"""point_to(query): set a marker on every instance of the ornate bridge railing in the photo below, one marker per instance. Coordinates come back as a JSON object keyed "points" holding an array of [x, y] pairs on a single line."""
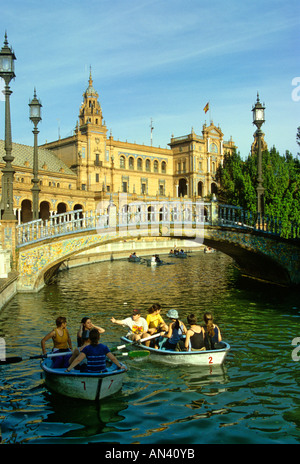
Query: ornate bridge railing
{"points": [[144, 215]]}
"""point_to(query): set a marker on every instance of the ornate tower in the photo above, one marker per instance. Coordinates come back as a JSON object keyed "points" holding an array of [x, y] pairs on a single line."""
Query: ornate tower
{"points": [[90, 111]]}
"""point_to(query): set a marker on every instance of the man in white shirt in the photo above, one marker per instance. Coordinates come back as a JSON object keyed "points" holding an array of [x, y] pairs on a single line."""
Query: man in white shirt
{"points": [[136, 324]]}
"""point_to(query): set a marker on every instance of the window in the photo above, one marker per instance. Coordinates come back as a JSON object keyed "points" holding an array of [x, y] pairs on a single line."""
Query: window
{"points": [[148, 165], [143, 188], [139, 164], [161, 189], [97, 177], [124, 187], [155, 166], [122, 162], [131, 163], [163, 167]]}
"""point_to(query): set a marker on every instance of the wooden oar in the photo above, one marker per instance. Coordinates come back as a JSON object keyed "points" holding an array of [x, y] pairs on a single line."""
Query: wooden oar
{"points": [[17, 359], [120, 347]]}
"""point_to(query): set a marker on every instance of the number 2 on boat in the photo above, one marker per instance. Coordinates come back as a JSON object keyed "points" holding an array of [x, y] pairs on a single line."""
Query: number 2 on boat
{"points": [[210, 360]]}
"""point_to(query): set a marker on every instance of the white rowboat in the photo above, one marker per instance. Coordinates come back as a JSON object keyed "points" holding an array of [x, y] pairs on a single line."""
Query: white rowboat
{"points": [[198, 358], [83, 385]]}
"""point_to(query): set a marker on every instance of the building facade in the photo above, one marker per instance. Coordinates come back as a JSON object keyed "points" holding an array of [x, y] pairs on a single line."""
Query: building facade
{"points": [[77, 172]]}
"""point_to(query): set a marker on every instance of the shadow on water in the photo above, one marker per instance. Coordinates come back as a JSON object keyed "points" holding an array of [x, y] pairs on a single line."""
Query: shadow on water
{"points": [[88, 418]]}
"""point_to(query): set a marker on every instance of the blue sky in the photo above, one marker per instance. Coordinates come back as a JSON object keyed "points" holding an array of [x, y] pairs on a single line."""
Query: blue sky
{"points": [[159, 59]]}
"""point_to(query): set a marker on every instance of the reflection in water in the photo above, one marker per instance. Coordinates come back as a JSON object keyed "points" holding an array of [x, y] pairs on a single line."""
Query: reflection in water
{"points": [[253, 398]]}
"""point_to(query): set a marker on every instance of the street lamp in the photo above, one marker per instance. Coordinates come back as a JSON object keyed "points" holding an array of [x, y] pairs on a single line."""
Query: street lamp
{"points": [[258, 119], [7, 58], [35, 116]]}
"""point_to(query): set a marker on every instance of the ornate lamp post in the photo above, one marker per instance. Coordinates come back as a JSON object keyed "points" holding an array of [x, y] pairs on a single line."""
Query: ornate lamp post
{"points": [[35, 116], [258, 119], [7, 58]]}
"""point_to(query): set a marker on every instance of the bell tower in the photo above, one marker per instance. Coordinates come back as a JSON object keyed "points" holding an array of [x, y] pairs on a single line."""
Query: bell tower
{"points": [[90, 112]]}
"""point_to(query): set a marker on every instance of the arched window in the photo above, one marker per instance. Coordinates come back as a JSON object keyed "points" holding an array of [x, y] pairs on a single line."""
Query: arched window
{"points": [[155, 166], [131, 162], [140, 164], [122, 162], [163, 167], [148, 165]]}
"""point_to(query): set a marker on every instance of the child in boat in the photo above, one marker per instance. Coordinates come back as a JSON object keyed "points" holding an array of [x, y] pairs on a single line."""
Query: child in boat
{"points": [[136, 324], [155, 323], [194, 339], [176, 331], [61, 341], [96, 354]]}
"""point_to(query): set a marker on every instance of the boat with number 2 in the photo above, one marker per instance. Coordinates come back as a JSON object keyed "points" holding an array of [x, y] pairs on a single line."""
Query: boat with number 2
{"points": [[198, 358], [83, 385]]}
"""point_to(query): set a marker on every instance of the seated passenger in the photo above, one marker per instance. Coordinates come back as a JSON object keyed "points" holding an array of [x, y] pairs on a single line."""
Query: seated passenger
{"points": [[86, 325], [195, 335], [175, 333], [212, 332], [61, 342], [137, 325], [155, 323], [96, 354]]}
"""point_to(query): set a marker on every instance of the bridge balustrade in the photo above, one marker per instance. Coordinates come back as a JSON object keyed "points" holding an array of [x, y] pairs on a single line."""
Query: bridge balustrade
{"points": [[141, 214]]}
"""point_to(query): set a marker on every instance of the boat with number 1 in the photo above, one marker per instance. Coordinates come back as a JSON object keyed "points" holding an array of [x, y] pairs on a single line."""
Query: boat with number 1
{"points": [[83, 385]]}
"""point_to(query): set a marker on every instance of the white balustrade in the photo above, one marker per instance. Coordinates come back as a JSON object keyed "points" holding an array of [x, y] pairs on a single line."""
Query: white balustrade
{"points": [[142, 214]]}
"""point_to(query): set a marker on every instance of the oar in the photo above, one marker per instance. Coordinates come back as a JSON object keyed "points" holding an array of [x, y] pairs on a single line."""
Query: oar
{"points": [[17, 359], [120, 347]]}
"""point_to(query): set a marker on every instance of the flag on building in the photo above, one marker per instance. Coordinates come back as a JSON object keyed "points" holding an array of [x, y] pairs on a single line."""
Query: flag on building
{"points": [[206, 108]]}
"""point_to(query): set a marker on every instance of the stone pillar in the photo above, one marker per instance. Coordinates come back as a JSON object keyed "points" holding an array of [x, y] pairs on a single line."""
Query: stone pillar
{"points": [[8, 242], [214, 211]]}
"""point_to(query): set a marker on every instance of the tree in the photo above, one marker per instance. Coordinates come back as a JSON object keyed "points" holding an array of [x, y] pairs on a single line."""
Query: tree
{"points": [[281, 181]]}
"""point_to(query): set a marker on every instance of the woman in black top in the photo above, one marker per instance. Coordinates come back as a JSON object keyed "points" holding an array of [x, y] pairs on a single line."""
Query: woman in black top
{"points": [[195, 335]]}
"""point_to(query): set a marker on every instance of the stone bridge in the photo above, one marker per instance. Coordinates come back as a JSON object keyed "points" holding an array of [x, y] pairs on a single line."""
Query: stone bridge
{"points": [[254, 243]]}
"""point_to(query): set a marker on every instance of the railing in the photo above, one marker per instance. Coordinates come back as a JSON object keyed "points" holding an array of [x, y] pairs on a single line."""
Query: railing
{"points": [[143, 215]]}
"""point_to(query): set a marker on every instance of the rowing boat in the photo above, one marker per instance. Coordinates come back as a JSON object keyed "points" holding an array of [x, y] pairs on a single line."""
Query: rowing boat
{"points": [[198, 358], [83, 385], [180, 254], [134, 259]]}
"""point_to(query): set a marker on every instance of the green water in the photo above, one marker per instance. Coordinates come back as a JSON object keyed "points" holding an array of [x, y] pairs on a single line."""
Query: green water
{"points": [[253, 398]]}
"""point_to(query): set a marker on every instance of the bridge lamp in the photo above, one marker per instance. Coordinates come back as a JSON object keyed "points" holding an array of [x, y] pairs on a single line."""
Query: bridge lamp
{"points": [[258, 119], [35, 116], [7, 72]]}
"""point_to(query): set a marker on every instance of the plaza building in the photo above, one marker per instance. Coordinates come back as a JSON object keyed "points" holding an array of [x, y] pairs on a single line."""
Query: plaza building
{"points": [[79, 171]]}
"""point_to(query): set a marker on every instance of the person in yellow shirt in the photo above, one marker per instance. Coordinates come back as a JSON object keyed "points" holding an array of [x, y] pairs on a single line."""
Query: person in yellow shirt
{"points": [[155, 322]]}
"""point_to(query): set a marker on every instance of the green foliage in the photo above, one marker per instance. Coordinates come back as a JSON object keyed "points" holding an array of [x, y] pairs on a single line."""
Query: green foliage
{"points": [[281, 180]]}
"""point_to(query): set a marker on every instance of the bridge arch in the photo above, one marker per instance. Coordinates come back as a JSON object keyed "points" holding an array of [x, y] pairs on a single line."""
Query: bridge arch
{"points": [[258, 252]]}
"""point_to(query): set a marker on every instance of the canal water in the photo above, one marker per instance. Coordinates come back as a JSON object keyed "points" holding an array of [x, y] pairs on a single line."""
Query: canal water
{"points": [[253, 398]]}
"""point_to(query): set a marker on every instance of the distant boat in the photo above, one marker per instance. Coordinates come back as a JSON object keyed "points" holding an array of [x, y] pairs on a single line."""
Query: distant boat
{"points": [[134, 259], [209, 250], [180, 254]]}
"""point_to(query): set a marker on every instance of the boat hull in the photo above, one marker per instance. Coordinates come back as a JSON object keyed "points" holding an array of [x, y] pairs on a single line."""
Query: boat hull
{"points": [[83, 385], [196, 358], [134, 259]]}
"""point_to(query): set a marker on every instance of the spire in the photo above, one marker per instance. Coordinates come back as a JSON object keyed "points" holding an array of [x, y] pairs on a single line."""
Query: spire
{"points": [[90, 90], [91, 80]]}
